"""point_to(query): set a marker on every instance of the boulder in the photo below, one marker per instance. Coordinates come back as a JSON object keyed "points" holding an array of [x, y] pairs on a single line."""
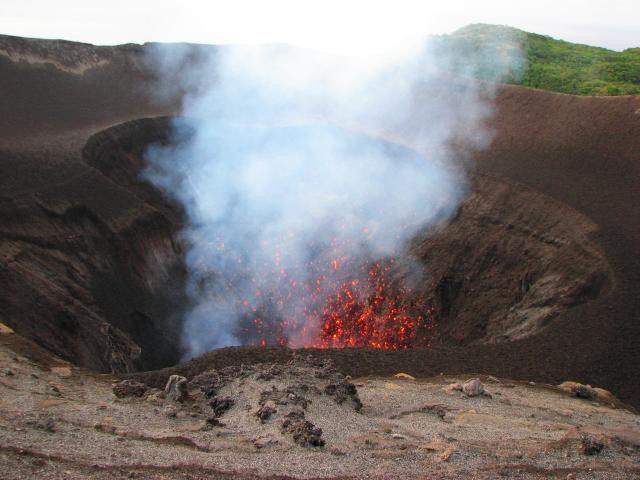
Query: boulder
{"points": [[587, 392], [176, 388], [474, 388], [591, 446], [304, 433], [266, 410], [129, 388], [220, 405]]}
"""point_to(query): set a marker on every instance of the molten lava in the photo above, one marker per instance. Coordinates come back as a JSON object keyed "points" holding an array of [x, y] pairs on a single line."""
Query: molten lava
{"points": [[336, 300]]}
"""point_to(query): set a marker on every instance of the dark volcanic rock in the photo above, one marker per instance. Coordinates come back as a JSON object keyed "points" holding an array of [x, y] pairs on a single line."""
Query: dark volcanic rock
{"points": [[591, 446], [304, 432], [47, 424], [342, 391], [585, 392], [289, 396], [209, 382], [474, 388], [129, 388], [266, 410], [220, 405], [214, 422]]}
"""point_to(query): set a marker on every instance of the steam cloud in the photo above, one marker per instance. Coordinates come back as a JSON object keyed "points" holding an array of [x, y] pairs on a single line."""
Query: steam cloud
{"points": [[276, 164]]}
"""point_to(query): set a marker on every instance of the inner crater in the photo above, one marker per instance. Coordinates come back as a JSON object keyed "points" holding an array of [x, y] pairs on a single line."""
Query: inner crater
{"points": [[504, 266]]}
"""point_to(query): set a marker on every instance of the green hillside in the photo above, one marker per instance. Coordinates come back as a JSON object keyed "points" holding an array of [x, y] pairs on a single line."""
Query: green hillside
{"points": [[543, 62]]}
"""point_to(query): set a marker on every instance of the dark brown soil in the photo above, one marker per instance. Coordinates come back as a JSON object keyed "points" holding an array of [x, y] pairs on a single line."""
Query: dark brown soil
{"points": [[76, 233]]}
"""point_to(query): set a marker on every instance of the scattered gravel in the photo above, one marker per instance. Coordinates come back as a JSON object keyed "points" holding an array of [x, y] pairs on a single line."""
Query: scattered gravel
{"points": [[304, 419]]}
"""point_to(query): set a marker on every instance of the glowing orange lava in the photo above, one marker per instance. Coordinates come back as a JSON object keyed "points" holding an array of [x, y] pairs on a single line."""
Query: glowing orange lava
{"points": [[336, 301]]}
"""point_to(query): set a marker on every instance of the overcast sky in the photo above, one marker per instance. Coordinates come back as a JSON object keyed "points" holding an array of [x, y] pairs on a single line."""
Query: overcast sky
{"points": [[348, 26]]}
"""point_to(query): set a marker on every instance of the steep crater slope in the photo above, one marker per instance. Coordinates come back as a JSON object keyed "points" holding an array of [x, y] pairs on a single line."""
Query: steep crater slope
{"points": [[91, 270], [510, 262]]}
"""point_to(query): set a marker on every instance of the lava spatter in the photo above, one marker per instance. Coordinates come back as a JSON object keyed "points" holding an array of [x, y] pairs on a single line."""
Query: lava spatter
{"points": [[335, 300]]}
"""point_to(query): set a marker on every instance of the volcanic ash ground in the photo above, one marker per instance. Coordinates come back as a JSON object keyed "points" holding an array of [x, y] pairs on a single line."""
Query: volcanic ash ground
{"points": [[305, 419]]}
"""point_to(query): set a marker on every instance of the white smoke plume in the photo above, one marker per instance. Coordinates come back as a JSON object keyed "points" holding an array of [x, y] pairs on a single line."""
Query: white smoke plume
{"points": [[289, 166]]}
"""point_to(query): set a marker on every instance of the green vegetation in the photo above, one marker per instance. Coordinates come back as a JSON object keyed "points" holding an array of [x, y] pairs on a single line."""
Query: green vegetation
{"points": [[513, 56]]}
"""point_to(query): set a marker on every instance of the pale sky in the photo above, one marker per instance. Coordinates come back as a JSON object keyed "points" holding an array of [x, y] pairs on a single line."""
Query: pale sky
{"points": [[347, 26]]}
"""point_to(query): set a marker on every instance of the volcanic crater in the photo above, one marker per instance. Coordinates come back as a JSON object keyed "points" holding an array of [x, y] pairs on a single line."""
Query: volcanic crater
{"points": [[532, 277], [508, 263], [503, 268], [533, 280]]}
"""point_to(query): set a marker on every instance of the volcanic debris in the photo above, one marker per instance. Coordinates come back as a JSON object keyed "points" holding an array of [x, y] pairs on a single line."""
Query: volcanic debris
{"points": [[283, 402], [266, 410], [342, 391], [176, 388], [304, 432], [591, 446], [46, 423], [220, 405], [129, 388], [585, 392], [471, 388]]}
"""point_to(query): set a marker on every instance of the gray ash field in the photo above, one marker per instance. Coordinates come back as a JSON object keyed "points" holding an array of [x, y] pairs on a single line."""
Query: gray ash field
{"points": [[304, 419]]}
